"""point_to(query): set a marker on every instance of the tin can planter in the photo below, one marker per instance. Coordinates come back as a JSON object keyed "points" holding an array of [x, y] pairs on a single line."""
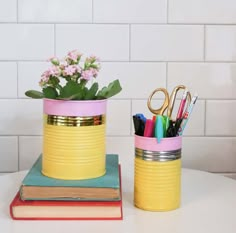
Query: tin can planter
{"points": [[157, 178], [74, 139]]}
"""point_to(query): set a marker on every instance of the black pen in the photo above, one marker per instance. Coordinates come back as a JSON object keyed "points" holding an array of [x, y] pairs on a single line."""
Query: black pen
{"points": [[139, 125], [177, 125], [170, 132]]}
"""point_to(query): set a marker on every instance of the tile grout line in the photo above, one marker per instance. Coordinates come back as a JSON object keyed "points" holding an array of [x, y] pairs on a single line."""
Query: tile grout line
{"points": [[92, 11], [131, 117], [129, 43], [131, 61], [204, 43], [18, 149], [54, 39], [120, 23], [17, 11], [205, 116], [167, 68], [167, 11], [17, 79]]}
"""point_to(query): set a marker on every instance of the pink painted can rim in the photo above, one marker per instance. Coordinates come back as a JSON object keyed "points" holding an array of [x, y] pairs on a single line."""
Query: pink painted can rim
{"points": [[74, 107], [166, 144]]}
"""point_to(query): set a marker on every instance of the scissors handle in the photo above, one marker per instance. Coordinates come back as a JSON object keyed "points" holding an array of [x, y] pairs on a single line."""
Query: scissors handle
{"points": [[172, 99], [189, 99], [162, 109]]}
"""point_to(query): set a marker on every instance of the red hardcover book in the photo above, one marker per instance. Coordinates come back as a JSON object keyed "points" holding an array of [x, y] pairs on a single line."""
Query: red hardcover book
{"points": [[66, 210]]}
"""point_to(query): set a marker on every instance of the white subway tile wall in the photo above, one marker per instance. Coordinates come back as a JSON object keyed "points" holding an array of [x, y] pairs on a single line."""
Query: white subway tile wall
{"points": [[110, 41], [146, 44], [26, 41], [8, 11], [8, 71], [46, 11], [132, 11], [167, 42], [202, 11]]}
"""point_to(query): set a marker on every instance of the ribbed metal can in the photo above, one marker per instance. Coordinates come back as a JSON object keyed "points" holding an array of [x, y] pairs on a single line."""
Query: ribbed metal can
{"points": [[157, 173], [74, 139]]}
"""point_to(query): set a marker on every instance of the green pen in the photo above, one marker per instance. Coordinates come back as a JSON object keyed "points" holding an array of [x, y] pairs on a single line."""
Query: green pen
{"points": [[166, 123], [159, 128]]}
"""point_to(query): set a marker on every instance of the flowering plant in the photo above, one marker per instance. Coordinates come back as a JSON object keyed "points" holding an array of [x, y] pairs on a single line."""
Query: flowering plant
{"points": [[79, 81]]}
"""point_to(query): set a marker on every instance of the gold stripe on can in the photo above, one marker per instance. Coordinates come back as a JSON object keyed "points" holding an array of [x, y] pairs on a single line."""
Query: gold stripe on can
{"points": [[74, 121]]}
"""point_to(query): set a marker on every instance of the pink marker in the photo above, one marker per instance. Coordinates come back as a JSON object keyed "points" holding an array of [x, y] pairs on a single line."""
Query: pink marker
{"points": [[149, 128], [182, 104]]}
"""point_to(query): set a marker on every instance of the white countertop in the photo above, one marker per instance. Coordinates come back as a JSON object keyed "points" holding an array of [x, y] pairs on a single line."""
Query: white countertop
{"points": [[208, 205]]}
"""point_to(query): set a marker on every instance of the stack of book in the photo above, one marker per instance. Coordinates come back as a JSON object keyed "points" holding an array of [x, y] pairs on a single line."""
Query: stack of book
{"points": [[41, 197]]}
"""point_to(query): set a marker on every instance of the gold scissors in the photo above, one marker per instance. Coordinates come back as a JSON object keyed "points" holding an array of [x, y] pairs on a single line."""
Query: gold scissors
{"points": [[169, 101]]}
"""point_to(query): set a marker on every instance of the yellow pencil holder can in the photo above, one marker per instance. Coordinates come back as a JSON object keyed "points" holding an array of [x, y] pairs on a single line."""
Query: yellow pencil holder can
{"points": [[74, 139], [157, 173]]}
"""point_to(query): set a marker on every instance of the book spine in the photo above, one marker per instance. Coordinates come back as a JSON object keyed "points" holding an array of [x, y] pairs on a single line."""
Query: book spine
{"points": [[30, 218]]}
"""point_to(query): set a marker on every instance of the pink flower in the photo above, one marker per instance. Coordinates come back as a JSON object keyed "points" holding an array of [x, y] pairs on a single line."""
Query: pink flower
{"points": [[45, 74], [94, 72], [53, 71], [94, 58], [44, 80], [78, 69], [54, 60], [70, 70], [74, 55], [87, 74], [63, 64]]}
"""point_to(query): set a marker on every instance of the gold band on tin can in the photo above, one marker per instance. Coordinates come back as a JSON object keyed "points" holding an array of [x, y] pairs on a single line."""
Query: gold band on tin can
{"points": [[74, 121]]}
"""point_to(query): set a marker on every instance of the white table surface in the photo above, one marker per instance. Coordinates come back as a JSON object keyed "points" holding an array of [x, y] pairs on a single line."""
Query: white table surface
{"points": [[208, 205]]}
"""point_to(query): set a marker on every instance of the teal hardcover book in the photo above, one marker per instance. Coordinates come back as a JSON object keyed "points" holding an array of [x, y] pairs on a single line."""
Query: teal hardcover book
{"points": [[36, 186]]}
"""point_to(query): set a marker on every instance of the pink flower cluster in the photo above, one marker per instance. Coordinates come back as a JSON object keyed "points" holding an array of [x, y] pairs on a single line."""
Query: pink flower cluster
{"points": [[69, 69], [74, 56]]}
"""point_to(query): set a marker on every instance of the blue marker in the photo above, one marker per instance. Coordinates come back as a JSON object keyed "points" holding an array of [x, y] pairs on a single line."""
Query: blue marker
{"points": [[159, 128], [141, 117]]}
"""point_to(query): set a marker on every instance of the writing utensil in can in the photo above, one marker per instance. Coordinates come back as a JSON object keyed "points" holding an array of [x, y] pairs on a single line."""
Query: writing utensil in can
{"points": [[187, 114], [159, 128], [182, 104], [149, 128], [178, 125]]}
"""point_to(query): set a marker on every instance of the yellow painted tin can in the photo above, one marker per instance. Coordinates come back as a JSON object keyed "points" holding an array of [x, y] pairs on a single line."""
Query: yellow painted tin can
{"points": [[74, 139], [157, 178]]}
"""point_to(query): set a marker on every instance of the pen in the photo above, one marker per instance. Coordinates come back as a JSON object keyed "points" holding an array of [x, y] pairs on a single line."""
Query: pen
{"points": [[159, 128], [187, 114], [141, 117], [182, 104], [166, 125], [177, 126], [170, 132], [149, 128], [138, 125]]}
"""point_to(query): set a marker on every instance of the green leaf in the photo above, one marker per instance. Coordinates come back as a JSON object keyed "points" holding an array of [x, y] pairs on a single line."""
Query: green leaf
{"points": [[54, 81], [50, 93], [34, 94], [71, 91], [91, 93], [112, 89], [77, 96]]}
